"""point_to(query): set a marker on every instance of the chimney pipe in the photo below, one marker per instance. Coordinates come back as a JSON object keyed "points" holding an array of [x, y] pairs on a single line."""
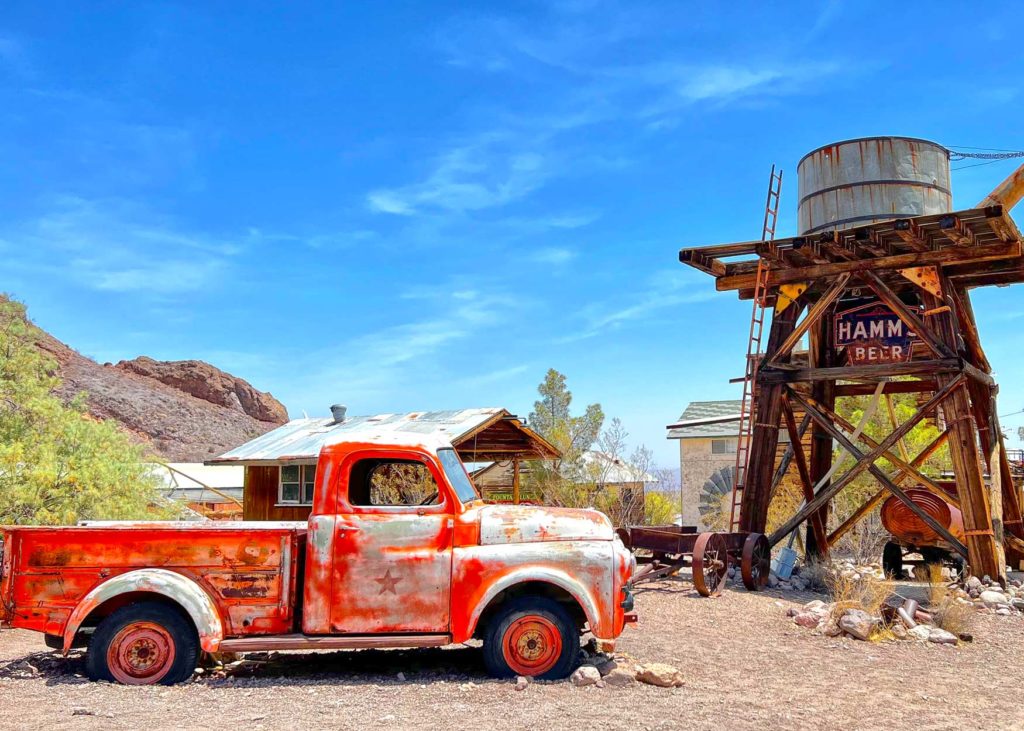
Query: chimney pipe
{"points": [[338, 412]]}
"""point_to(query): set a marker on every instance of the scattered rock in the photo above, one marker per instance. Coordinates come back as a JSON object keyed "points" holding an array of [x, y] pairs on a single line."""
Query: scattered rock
{"points": [[814, 604], [974, 584], [79, 711], [606, 667], [660, 674], [920, 632], [1003, 612], [899, 631], [401, 677], [620, 678], [858, 623], [773, 581], [941, 636], [521, 682], [830, 628], [809, 620], [585, 675], [992, 597]]}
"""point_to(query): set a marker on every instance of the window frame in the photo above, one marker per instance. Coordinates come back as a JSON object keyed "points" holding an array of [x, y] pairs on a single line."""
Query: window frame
{"points": [[303, 471], [443, 505], [728, 442]]}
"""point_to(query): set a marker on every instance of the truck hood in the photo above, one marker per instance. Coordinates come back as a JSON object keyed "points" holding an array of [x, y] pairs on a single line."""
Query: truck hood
{"points": [[530, 524]]}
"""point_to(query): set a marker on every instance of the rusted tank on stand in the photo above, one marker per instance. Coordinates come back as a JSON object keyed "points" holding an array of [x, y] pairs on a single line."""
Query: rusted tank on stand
{"points": [[910, 534], [872, 179]]}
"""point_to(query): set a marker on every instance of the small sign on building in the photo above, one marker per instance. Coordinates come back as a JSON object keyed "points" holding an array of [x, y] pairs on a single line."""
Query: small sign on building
{"points": [[873, 333]]}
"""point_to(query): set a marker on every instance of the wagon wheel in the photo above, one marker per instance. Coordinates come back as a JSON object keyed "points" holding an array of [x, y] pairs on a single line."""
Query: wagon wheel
{"points": [[756, 561], [710, 562]]}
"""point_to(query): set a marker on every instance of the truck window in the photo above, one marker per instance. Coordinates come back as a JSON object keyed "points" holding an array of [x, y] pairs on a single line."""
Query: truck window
{"points": [[388, 482], [457, 476]]}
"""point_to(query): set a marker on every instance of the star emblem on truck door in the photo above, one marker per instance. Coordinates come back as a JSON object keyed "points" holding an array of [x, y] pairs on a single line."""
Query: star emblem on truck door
{"points": [[387, 583]]}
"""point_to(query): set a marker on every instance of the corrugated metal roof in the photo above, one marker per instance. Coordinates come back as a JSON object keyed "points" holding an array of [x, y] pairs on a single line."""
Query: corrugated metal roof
{"points": [[302, 439], [708, 419]]}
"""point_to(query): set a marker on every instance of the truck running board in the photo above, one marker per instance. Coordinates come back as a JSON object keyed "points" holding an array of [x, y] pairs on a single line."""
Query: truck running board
{"points": [[328, 642]]}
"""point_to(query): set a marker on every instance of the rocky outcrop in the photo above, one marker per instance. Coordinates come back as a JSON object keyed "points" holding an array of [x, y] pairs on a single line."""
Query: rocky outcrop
{"points": [[208, 383], [175, 422]]}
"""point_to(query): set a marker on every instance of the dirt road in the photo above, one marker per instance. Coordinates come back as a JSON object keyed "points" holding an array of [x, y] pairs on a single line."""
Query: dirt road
{"points": [[746, 664]]}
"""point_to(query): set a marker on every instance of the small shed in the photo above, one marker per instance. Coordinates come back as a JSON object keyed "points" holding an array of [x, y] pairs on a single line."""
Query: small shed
{"points": [[211, 491], [280, 465]]}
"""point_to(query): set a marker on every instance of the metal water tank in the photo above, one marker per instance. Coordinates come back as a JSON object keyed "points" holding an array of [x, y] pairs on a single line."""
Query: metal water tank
{"points": [[862, 181]]}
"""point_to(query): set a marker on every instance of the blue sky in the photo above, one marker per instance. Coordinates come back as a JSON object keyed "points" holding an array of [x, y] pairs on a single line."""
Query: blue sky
{"points": [[406, 206]]}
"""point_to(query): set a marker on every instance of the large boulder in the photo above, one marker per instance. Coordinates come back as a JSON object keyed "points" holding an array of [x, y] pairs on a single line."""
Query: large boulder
{"points": [[858, 623], [209, 383]]}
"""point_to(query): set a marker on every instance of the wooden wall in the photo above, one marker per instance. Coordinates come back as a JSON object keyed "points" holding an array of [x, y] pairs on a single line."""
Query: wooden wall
{"points": [[260, 501]]}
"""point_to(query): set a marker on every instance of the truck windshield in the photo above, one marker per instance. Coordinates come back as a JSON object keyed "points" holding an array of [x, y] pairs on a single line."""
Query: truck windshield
{"points": [[456, 474]]}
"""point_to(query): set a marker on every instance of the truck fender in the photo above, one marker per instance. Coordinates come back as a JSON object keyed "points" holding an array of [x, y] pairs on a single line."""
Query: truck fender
{"points": [[547, 575], [180, 589]]}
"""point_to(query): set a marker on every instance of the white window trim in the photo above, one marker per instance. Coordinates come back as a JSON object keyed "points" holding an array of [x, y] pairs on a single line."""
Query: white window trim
{"points": [[280, 486]]}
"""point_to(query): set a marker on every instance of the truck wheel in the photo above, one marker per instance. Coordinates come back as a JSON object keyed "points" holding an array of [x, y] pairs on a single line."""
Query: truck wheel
{"points": [[143, 644], [892, 560], [531, 636]]}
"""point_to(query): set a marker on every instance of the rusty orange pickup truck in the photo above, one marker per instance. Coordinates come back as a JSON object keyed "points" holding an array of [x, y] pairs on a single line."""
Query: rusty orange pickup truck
{"points": [[399, 551]]}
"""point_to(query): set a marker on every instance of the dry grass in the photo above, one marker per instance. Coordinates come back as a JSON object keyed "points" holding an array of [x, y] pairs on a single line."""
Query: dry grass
{"points": [[948, 613], [866, 592]]}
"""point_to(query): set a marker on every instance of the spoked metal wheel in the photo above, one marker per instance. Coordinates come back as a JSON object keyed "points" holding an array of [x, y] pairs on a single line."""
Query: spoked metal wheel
{"points": [[710, 562], [756, 561]]}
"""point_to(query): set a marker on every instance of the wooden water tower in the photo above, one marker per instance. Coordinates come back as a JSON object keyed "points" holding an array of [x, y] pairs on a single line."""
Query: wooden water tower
{"points": [[879, 284]]}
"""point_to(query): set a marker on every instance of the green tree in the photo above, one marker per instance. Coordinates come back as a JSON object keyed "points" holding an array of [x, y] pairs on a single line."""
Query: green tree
{"points": [[58, 465], [563, 481]]}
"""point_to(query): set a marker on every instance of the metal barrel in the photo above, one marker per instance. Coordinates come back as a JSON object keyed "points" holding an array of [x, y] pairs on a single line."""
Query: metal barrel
{"points": [[857, 182], [907, 527]]}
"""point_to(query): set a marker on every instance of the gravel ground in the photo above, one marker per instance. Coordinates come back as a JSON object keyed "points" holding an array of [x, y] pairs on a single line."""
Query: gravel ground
{"points": [[746, 664]]}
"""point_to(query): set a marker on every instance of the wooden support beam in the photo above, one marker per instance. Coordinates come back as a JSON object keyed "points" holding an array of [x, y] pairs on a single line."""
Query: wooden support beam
{"points": [[834, 292], [982, 514], [901, 463], [942, 257], [864, 509], [765, 434], [787, 455], [892, 387], [515, 480], [770, 375], [868, 240], [817, 523], [960, 299], [911, 234], [909, 317], [955, 230], [865, 461]]}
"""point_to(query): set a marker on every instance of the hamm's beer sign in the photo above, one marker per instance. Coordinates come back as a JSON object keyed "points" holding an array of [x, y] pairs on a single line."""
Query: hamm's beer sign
{"points": [[873, 333]]}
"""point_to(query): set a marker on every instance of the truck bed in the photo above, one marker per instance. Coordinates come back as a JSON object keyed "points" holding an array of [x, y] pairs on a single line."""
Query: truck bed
{"points": [[249, 569]]}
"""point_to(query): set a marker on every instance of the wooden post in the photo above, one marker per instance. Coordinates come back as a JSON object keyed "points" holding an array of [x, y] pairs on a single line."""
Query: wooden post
{"points": [[821, 354], [765, 436], [515, 480], [984, 548]]}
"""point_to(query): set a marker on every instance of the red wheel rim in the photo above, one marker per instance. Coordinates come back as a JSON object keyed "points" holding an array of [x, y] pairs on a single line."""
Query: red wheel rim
{"points": [[140, 654], [532, 645]]}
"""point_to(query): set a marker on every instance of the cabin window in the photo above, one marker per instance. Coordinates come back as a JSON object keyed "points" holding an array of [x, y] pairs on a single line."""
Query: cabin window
{"points": [[296, 484], [723, 446], [385, 482]]}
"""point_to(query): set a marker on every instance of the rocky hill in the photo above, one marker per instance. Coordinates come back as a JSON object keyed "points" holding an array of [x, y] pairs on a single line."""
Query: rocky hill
{"points": [[185, 411]]}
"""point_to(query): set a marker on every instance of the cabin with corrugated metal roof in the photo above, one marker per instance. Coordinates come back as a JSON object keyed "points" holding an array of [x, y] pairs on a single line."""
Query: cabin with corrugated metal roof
{"points": [[280, 465]]}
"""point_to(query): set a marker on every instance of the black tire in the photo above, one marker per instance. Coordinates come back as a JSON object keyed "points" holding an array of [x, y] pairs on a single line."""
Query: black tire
{"points": [[544, 610], [892, 560], [176, 627]]}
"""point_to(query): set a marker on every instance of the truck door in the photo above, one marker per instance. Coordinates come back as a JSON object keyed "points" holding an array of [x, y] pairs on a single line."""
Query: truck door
{"points": [[392, 546]]}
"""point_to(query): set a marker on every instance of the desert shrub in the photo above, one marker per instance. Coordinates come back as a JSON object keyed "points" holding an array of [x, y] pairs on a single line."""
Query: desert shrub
{"points": [[947, 612], [659, 509], [864, 592]]}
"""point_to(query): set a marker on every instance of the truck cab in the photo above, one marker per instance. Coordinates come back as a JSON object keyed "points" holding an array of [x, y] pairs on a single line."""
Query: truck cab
{"points": [[399, 551]]}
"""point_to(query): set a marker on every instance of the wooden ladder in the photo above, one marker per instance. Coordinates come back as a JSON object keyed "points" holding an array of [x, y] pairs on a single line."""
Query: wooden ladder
{"points": [[753, 361]]}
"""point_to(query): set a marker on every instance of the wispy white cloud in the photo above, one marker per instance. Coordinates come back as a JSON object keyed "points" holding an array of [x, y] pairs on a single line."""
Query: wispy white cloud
{"points": [[483, 174], [661, 291], [553, 255], [497, 376], [114, 245]]}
